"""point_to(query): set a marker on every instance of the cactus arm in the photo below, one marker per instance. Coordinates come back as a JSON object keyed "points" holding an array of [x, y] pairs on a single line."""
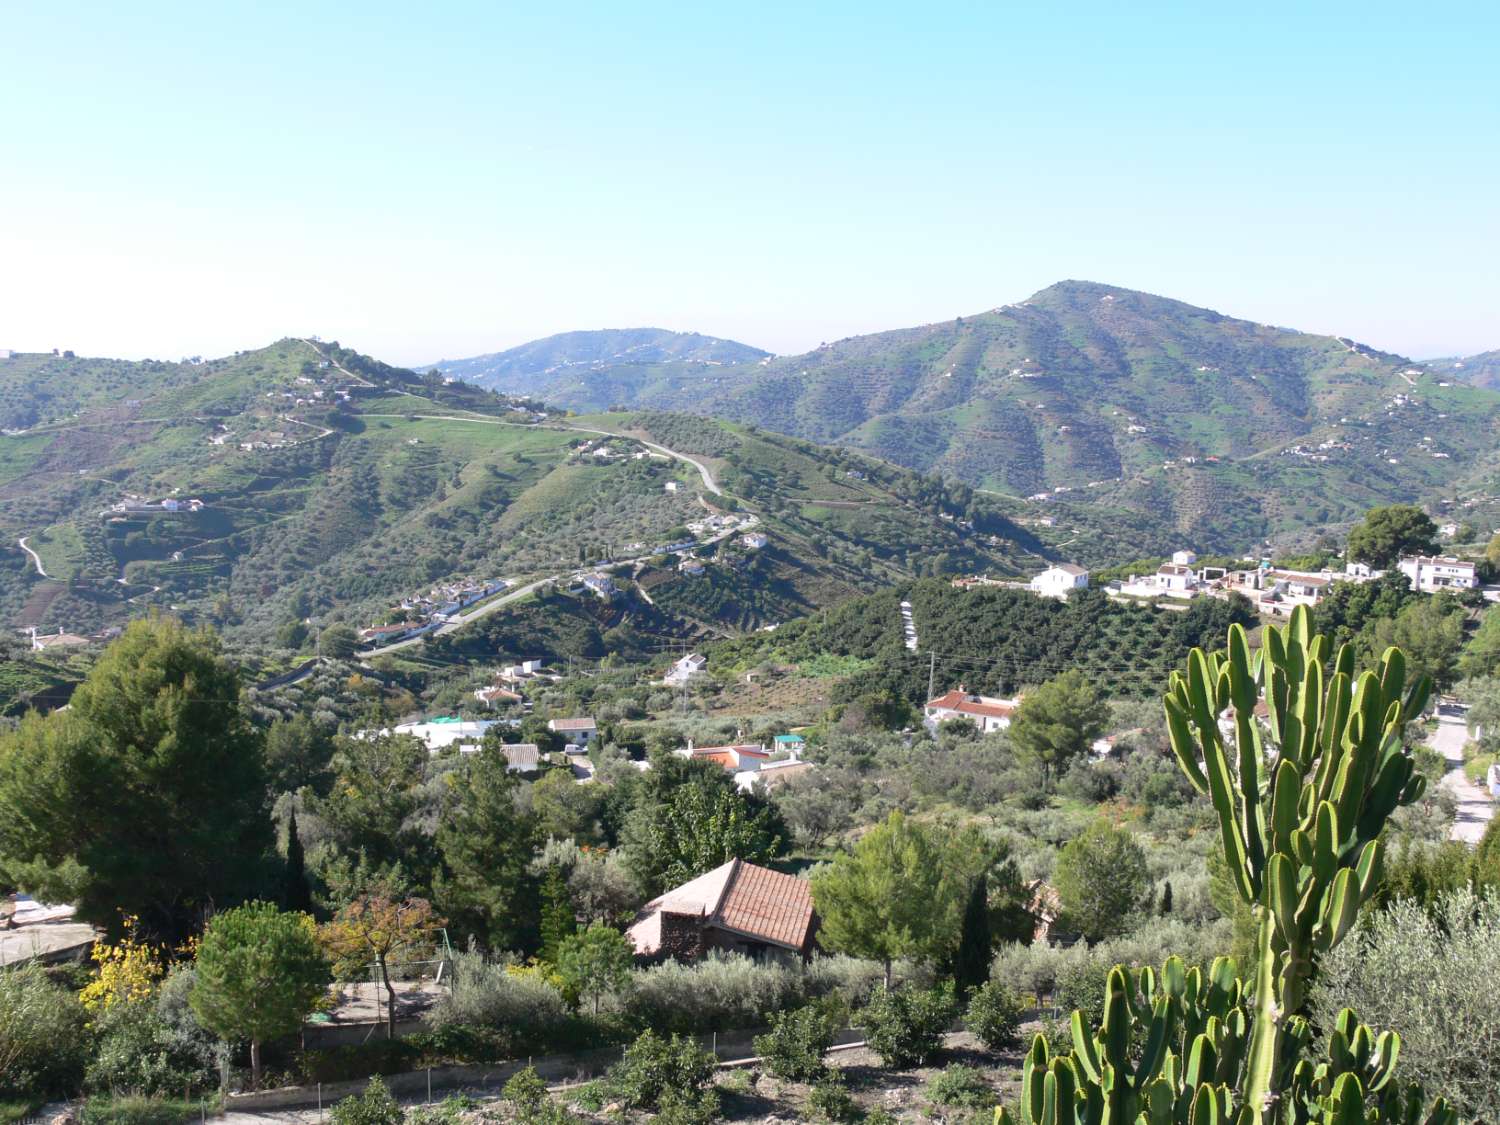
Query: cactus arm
{"points": [[1266, 1029]]}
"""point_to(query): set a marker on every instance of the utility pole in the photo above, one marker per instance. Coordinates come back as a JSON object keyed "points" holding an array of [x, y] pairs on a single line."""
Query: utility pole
{"points": [[931, 673]]}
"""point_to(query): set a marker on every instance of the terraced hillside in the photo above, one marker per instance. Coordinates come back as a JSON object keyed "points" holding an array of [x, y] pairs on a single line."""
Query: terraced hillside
{"points": [[1193, 425], [303, 483]]}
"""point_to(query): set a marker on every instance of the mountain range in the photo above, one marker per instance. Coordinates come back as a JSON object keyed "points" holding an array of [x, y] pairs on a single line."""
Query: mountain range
{"points": [[1176, 420]]}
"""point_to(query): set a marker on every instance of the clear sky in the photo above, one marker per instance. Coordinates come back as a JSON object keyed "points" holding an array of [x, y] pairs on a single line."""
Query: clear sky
{"points": [[425, 180]]}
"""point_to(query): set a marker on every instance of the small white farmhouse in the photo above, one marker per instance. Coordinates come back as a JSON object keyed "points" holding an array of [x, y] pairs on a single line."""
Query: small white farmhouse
{"points": [[1059, 581]]}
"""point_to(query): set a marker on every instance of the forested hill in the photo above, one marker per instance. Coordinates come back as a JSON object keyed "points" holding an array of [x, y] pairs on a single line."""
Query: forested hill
{"points": [[579, 366]]}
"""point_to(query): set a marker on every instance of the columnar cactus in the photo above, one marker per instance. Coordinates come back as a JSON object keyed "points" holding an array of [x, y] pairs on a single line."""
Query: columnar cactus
{"points": [[1300, 817]]}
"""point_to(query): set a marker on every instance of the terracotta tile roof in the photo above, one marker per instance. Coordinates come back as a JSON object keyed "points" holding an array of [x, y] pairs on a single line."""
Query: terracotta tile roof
{"points": [[572, 724], [752, 901], [768, 905], [966, 704]]}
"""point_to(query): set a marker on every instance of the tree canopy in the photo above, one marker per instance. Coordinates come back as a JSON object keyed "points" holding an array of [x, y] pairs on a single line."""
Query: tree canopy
{"points": [[1385, 534], [259, 973], [1057, 723], [147, 797]]}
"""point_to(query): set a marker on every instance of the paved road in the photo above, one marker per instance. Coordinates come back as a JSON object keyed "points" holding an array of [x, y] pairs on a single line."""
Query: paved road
{"points": [[36, 558], [459, 622], [1474, 805]]}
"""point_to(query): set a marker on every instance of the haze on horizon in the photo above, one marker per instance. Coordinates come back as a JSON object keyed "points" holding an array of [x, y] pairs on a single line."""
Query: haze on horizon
{"points": [[458, 178]]}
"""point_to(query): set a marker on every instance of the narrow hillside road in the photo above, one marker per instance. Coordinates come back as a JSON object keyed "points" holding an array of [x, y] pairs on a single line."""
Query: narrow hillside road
{"points": [[1474, 805], [464, 619], [36, 558]]}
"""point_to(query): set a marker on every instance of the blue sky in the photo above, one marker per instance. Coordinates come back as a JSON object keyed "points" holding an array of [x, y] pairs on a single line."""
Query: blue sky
{"points": [[440, 179]]}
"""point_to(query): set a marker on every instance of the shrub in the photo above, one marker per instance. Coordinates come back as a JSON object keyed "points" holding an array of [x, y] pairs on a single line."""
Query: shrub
{"points": [[830, 1100], [525, 1090], [1428, 974], [905, 1026], [794, 1047], [652, 1066], [524, 1007], [44, 1038], [994, 1016], [961, 1086], [723, 992], [374, 1107], [141, 1053], [135, 1109]]}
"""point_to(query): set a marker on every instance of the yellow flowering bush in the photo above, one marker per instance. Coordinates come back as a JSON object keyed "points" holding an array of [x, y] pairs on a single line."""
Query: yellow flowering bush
{"points": [[128, 971]]}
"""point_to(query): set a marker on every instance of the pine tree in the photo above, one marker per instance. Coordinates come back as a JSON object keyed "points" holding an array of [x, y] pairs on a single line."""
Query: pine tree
{"points": [[971, 968], [295, 892]]}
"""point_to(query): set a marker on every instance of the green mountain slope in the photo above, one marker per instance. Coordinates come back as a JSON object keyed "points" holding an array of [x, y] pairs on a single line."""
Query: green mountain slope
{"points": [[1195, 426], [304, 481], [588, 368], [1482, 370]]}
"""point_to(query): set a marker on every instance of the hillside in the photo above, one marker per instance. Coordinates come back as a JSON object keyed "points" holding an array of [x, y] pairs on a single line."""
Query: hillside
{"points": [[1195, 426], [586, 368], [1482, 370], [303, 485]]}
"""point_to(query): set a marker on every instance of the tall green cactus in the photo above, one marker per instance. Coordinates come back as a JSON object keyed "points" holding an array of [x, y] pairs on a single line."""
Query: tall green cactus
{"points": [[1300, 817]]}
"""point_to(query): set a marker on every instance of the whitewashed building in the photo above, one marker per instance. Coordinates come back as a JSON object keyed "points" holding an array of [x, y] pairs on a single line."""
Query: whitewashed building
{"points": [[1059, 581], [1432, 573]]}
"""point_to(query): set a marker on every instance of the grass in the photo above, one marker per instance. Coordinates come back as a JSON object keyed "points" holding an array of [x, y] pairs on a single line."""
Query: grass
{"points": [[133, 1109], [18, 1110]]}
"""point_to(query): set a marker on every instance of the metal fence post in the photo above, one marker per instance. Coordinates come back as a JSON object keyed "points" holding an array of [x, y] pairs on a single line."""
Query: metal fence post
{"points": [[429, 1085], [320, 1103]]}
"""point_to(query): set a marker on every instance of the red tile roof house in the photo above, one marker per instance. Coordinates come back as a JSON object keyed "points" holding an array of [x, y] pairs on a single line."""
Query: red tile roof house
{"points": [[736, 908], [741, 756], [986, 713]]}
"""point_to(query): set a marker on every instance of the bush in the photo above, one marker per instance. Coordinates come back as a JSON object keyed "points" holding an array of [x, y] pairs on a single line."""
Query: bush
{"points": [[156, 1046], [724, 992], [374, 1107], [524, 1008], [526, 1091], [134, 1109], [1429, 975], [652, 1066], [830, 1100], [798, 1040], [994, 1016], [905, 1026], [44, 1039], [961, 1086]]}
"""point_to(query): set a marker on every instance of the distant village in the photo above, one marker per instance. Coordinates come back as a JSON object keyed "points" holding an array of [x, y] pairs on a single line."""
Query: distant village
{"points": [[1273, 591]]}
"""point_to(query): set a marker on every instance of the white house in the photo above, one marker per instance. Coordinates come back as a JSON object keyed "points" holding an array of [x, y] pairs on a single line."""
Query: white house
{"points": [[1362, 572], [755, 541], [577, 731], [1183, 558], [439, 734], [984, 711], [1175, 577], [685, 669], [1430, 574], [1061, 580]]}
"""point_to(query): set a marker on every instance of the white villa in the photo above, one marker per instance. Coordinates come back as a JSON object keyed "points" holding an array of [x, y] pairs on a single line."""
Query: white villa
{"points": [[685, 669], [1059, 581], [1430, 574]]}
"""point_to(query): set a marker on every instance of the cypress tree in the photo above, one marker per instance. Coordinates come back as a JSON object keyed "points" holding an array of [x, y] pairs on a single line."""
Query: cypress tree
{"points": [[1166, 899], [558, 920], [295, 893], [971, 967]]}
